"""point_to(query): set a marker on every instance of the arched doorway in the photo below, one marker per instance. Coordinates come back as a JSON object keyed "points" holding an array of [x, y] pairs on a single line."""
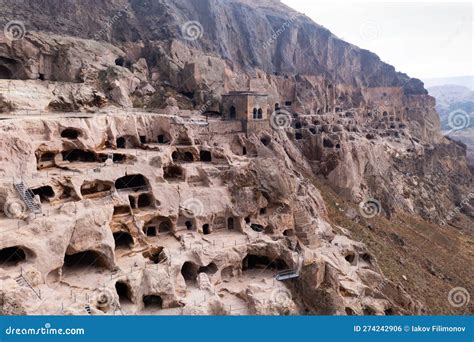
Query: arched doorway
{"points": [[233, 113]]}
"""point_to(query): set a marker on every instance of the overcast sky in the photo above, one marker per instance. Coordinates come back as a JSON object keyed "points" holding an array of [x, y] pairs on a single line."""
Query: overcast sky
{"points": [[422, 39]]}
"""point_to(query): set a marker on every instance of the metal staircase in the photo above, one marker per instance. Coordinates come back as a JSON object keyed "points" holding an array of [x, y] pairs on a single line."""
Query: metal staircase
{"points": [[88, 309], [291, 274], [28, 198], [23, 281]]}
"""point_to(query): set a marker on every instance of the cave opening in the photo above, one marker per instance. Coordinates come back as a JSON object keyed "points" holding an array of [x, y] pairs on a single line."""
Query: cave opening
{"points": [[206, 229], [123, 239], [230, 223], [47, 157], [350, 258], [185, 157], [232, 113], [152, 302], [84, 260], [173, 172], [120, 61], [124, 292], [121, 142], [150, 231], [163, 139], [265, 140], [205, 156], [164, 227], [327, 143], [122, 210], [189, 272], [5, 73], [119, 158], [298, 136], [11, 256], [137, 181], [46, 193], [77, 155], [252, 261], [144, 201], [367, 258], [257, 227], [70, 133], [156, 255], [209, 269], [95, 187]]}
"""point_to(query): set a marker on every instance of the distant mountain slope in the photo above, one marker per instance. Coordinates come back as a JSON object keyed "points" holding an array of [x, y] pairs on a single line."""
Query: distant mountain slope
{"points": [[452, 98], [456, 100], [465, 81]]}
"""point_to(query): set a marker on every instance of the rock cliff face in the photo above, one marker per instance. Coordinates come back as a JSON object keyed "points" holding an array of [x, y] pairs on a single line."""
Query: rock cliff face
{"points": [[124, 189]]}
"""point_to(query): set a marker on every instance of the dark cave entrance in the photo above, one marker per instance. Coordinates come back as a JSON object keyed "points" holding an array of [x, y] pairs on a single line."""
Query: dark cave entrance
{"points": [[84, 260], [131, 182], [46, 193], [252, 261], [144, 201], [123, 240], [205, 156], [173, 172], [5, 73], [164, 227], [152, 302], [163, 139], [77, 155], [232, 113], [70, 133], [189, 272], [121, 142], [150, 231], [230, 223], [95, 187], [11, 256], [185, 157], [124, 292]]}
